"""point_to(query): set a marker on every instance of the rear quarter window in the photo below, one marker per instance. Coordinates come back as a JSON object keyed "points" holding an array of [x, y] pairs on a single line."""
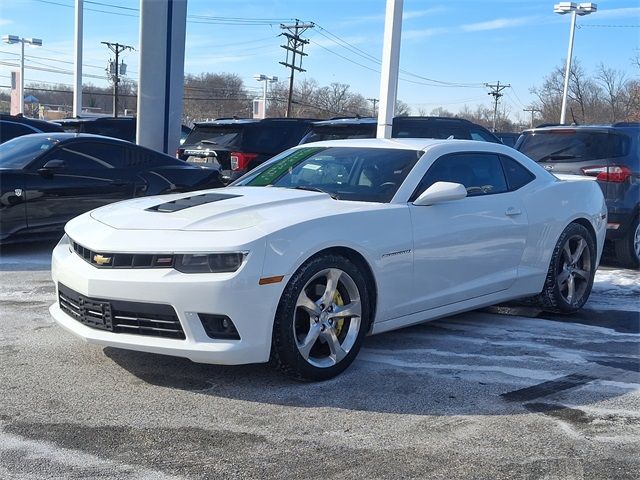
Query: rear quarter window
{"points": [[517, 175]]}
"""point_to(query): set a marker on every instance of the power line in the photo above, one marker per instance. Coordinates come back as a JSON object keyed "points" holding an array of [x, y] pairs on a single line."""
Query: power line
{"points": [[367, 56]]}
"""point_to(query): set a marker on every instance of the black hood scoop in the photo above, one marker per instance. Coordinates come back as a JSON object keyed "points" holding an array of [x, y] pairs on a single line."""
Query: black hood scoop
{"points": [[188, 202]]}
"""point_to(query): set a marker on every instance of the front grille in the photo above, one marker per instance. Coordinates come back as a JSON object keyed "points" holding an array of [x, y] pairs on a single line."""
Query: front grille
{"points": [[119, 316], [123, 260]]}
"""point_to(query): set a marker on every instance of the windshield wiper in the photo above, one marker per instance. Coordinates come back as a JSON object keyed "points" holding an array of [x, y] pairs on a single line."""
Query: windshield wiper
{"points": [[315, 189], [557, 155], [561, 156]]}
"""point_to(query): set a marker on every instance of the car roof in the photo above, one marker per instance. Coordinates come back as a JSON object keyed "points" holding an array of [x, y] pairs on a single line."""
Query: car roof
{"points": [[94, 119], [347, 121], [598, 127], [403, 143], [247, 121], [43, 125], [63, 136]]}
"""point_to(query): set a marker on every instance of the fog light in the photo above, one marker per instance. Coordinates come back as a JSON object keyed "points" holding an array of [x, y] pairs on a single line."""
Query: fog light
{"points": [[219, 326]]}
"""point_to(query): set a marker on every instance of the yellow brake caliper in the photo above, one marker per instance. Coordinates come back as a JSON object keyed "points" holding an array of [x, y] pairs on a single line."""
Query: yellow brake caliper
{"points": [[337, 299]]}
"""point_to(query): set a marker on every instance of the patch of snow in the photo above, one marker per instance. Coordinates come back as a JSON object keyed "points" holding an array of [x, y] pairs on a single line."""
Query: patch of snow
{"points": [[617, 289]]}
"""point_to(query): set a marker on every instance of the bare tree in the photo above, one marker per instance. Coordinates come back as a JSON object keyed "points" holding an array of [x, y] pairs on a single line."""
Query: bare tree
{"points": [[215, 95], [440, 112]]}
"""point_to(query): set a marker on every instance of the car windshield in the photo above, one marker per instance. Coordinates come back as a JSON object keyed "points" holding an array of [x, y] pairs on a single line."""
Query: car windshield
{"points": [[345, 173], [19, 152], [214, 134], [573, 145]]}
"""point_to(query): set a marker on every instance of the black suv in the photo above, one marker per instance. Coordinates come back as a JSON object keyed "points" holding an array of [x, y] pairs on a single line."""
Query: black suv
{"points": [[610, 153], [239, 145], [12, 126], [403, 127], [123, 128]]}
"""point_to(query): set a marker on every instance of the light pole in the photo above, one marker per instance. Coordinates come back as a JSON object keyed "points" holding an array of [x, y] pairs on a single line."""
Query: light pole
{"points": [[574, 9], [36, 42], [266, 79]]}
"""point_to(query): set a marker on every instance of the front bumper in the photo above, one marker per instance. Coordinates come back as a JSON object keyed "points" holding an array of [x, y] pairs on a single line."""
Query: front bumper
{"points": [[237, 295]]}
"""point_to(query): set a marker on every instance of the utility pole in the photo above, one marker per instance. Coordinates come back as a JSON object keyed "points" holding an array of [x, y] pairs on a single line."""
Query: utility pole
{"points": [[117, 49], [495, 92], [533, 110], [390, 67], [295, 45], [77, 60], [374, 101]]}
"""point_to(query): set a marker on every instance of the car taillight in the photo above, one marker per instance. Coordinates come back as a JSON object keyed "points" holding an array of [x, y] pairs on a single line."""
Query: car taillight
{"points": [[614, 173], [179, 152], [240, 161]]}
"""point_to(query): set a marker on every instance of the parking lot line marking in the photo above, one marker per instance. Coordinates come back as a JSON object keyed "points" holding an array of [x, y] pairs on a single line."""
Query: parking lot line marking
{"points": [[547, 388]]}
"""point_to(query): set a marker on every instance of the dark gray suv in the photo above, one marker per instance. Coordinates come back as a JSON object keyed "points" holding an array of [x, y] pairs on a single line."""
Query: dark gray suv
{"points": [[611, 153]]}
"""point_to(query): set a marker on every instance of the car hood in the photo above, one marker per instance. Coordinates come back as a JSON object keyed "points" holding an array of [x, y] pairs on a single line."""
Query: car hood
{"points": [[224, 209]]}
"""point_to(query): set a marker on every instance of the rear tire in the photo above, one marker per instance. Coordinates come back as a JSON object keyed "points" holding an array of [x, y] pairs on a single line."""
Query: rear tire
{"points": [[627, 249], [571, 271], [321, 320]]}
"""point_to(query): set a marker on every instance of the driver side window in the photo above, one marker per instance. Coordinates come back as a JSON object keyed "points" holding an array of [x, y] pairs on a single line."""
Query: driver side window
{"points": [[480, 173]]}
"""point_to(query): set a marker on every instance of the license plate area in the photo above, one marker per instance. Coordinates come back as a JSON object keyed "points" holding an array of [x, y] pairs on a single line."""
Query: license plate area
{"points": [[96, 314]]}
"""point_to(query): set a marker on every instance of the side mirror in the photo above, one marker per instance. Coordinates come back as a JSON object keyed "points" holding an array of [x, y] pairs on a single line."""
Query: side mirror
{"points": [[49, 168], [441, 192]]}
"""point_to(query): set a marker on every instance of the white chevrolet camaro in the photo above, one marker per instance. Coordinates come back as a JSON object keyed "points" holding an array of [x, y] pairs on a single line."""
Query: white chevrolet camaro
{"points": [[297, 261]]}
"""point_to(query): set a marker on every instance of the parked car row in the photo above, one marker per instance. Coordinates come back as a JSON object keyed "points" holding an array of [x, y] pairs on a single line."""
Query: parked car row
{"points": [[607, 153], [237, 146], [12, 126]]}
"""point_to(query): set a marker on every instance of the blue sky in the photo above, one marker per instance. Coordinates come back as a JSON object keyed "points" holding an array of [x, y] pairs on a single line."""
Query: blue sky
{"points": [[464, 43]]}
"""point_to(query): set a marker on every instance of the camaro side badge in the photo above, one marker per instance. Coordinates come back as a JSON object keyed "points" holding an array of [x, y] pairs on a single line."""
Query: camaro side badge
{"points": [[548, 167], [101, 260], [393, 254], [18, 192]]}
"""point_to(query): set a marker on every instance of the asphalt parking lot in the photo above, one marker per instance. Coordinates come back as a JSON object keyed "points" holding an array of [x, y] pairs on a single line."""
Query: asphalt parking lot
{"points": [[505, 392]]}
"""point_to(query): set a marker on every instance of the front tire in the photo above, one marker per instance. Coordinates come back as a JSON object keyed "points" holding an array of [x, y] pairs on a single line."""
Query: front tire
{"points": [[571, 272], [321, 320]]}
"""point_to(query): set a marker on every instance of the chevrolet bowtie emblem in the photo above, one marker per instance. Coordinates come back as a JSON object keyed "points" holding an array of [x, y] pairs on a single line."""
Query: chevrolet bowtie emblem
{"points": [[101, 260]]}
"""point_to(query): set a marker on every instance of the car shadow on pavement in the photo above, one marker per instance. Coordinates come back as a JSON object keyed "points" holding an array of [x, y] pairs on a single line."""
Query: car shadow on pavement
{"points": [[31, 256], [480, 363]]}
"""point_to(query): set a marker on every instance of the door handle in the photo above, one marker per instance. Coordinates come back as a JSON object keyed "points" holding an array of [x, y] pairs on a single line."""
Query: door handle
{"points": [[511, 211]]}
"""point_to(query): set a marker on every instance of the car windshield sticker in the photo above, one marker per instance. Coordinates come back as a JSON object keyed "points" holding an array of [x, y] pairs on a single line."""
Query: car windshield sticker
{"points": [[275, 171]]}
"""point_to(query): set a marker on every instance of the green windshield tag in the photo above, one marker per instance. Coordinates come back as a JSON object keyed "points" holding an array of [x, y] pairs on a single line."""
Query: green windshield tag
{"points": [[275, 171]]}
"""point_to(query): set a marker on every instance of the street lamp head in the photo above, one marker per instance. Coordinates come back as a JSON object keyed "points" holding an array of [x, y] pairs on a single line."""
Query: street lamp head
{"points": [[587, 8], [10, 39], [36, 42], [565, 7]]}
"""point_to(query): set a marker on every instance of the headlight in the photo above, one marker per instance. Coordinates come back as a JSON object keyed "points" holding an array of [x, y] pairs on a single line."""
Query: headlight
{"points": [[209, 263]]}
